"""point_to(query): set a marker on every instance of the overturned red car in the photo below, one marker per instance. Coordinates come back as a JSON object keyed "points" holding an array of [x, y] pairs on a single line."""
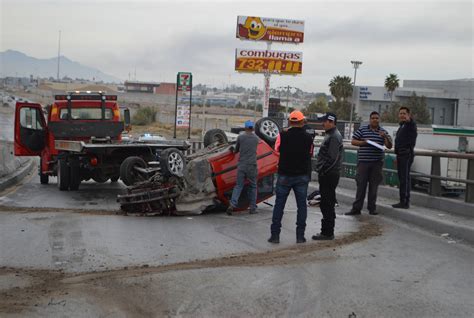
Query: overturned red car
{"points": [[206, 180]]}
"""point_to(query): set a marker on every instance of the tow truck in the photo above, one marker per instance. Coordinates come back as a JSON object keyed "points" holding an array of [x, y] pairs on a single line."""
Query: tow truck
{"points": [[82, 139]]}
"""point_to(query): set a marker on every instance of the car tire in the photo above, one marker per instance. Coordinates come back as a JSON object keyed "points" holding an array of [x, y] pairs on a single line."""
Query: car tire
{"points": [[267, 129], [214, 135], [128, 174], [44, 178], [63, 175], [172, 162]]}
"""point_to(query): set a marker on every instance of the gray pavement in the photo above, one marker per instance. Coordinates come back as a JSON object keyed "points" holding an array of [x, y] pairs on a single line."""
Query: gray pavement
{"points": [[66, 254]]}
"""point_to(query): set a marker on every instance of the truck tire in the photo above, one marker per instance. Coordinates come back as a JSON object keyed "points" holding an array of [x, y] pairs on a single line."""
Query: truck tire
{"points": [[267, 129], [172, 162], [75, 176], [99, 177], [44, 178], [114, 179], [63, 175], [214, 135], [128, 174]]}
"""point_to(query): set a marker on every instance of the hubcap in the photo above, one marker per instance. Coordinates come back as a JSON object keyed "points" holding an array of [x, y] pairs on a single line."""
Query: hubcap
{"points": [[269, 128], [175, 163]]}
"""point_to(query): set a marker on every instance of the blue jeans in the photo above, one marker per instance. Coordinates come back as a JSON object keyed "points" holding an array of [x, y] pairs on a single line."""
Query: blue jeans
{"points": [[299, 184], [248, 172]]}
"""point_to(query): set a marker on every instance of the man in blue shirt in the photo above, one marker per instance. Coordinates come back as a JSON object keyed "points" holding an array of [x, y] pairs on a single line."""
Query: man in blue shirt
{"points": [[369, 162]]}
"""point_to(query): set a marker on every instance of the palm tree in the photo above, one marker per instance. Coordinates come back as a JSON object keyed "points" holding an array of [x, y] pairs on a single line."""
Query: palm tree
{"points": [[391, 84], [341, 87]]}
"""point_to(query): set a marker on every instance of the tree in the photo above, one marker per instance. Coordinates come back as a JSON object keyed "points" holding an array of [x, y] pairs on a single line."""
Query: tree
{"points": [[391, 84], [320, 105], [342, 109], [418, 109], [341, 87]]}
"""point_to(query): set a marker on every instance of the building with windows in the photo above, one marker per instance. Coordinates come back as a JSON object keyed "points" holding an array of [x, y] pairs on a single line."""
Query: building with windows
{"points": [[450, 102]]}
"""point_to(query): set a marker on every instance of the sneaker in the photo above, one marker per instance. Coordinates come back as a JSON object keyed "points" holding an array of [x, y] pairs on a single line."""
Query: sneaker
{"points": [[230, 209], [275, 239], [321, 237], [301, 240], [352, 212], [253, 211], [373, 212], [401, 205]]}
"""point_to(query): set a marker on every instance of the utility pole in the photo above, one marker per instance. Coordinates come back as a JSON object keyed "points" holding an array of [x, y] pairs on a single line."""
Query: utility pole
{"points": [[288, 87], [356, 65], [59, 54]]}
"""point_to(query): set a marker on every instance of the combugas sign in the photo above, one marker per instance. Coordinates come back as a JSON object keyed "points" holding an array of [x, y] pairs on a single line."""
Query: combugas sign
{"points": [[270, 29], [263, 61]]}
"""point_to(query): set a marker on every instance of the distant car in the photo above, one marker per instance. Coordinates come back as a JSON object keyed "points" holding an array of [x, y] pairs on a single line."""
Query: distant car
{"points": [[150, 137]]}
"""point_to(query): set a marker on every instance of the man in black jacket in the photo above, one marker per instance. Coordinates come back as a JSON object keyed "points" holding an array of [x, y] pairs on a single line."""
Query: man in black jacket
{"points": [[328, 166], [293, 173], [405, 141]]}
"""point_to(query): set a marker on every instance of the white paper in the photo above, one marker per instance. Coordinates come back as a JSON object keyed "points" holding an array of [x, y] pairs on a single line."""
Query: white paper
{"points": [[373, 143]]}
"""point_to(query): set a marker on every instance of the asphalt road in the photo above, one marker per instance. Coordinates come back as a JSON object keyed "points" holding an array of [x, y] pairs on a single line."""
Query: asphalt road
{"points": [[68, 254]]}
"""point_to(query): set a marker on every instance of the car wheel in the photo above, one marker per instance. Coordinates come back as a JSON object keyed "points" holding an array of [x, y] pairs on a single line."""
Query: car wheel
{"points": [[63, 175], [128, 174], [267, 129], [172, 162], [214, 135]]}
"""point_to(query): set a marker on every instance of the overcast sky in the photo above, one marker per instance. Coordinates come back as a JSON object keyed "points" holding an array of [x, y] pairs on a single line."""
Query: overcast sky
{"points": [[414, 39]]}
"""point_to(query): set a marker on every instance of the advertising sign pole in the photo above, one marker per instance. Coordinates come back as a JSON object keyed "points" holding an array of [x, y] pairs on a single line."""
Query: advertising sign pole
{"points": [[190, 104], [176, 106], [266, 87]]}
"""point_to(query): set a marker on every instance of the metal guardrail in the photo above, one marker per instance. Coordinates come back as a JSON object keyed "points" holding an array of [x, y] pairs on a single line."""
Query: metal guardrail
{"points": [[435, 175]]}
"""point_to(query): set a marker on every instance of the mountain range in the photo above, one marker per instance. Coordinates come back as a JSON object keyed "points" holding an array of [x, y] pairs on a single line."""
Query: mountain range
{"points": [[18, 64]]}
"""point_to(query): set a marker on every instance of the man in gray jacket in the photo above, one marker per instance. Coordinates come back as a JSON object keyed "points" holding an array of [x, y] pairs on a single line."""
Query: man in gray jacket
{"points": [[328, 166], [247, 168]]}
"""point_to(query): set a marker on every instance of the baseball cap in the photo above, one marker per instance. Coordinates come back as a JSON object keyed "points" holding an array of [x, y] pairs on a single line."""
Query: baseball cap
{"points": [[296, 115], [248, 124], [330, 116]]}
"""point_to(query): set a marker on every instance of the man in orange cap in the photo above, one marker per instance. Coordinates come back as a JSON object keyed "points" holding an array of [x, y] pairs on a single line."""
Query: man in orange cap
{"points": [[295, 155]]}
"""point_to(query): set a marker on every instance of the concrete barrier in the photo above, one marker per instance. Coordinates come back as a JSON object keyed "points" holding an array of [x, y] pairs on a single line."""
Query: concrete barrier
{"points": [[12, 169]]}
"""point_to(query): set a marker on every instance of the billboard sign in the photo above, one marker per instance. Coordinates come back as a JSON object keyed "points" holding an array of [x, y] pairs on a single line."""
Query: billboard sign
{"points": [[270, 29], [184, 81], [263, 61]]}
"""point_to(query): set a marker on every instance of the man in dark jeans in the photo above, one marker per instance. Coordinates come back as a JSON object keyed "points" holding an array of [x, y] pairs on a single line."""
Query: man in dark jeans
{"points": [[295, 148], [328, 166], [405, 141], [369, 162]]}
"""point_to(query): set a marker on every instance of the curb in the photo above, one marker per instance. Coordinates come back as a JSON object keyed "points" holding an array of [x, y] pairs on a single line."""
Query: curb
{"points": [[431, 223], [17, 176]]}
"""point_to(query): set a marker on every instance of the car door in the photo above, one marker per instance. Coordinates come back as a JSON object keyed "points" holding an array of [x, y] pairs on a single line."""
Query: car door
{"points": [[30, 129]]}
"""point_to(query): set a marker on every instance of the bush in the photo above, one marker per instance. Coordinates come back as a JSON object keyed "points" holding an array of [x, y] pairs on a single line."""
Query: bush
{"points": [[144, 116]]}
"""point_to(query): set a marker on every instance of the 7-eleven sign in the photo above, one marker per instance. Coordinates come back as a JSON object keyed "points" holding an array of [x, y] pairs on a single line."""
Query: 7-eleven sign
{"points": [[184, 81]]}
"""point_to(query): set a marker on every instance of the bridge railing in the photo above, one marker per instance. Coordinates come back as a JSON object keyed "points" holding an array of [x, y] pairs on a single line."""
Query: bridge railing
{"points": [[435, 177]]}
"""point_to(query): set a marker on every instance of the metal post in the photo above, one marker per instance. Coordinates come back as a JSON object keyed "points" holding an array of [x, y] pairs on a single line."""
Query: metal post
{"points": [[470, 176], [435, 184], [266, 88], [204, 111], [356, 65], [287, 100]]}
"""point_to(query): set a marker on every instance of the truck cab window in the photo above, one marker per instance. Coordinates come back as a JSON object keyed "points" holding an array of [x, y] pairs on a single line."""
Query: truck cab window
{"points": [[30, 118]]}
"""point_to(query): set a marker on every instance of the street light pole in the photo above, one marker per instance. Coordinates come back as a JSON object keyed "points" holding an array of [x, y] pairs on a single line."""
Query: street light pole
{"points": [[356, 65]]}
